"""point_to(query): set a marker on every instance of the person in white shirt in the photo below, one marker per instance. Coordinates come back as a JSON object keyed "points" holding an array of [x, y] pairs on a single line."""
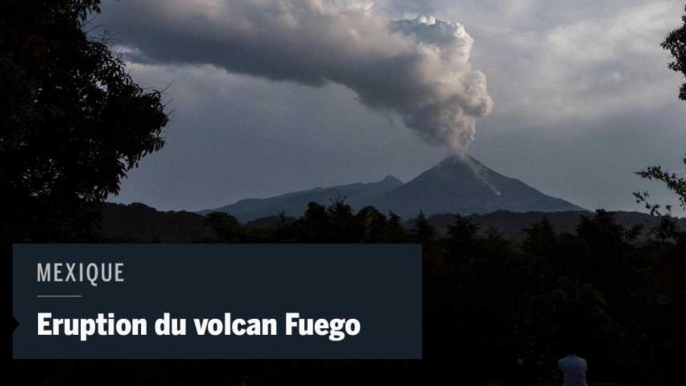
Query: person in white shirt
{"points": [[573, 369]]}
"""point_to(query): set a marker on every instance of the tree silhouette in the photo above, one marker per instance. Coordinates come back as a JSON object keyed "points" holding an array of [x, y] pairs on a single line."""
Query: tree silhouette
{"points": [[372, 224], [73, 121], [395, 232], [423, 232], [673, 182], [461, 241], [226, 227], [675, 43]]}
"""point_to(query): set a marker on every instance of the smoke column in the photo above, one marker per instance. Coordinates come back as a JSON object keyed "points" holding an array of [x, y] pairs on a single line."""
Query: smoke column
{"points": [[417, 69]]}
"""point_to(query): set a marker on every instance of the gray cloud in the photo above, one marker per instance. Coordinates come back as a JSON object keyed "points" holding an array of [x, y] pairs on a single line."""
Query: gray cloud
{"points": [[583, 97], [554, 61], [418, 69]]}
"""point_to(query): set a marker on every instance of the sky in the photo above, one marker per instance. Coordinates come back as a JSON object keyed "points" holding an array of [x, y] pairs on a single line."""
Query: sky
{"points": [[268, 97]]}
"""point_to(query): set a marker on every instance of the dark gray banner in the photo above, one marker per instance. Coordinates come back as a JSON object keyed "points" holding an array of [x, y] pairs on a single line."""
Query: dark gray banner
{"points": [[217, 301]]}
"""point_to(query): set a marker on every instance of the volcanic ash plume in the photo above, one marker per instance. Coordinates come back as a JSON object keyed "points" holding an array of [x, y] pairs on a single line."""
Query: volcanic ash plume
{"points": [[418, 69]]}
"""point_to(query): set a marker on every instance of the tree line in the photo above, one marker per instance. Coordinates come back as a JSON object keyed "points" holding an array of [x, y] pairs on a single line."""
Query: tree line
{"points": [[615, 295]]}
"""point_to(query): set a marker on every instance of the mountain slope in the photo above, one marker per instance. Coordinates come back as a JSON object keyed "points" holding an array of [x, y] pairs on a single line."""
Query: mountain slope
{"points": [[464, 185], [294, 204], [457, 185]]}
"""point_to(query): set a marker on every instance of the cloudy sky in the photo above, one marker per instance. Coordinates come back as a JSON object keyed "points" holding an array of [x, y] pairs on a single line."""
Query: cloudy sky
{"points": [[268, 97]]}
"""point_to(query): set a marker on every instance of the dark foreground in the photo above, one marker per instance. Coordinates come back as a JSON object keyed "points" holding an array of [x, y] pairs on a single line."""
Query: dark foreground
{"points": [[614, 295]]}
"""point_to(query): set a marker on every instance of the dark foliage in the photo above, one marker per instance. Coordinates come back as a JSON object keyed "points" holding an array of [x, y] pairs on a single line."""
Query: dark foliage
{"points": [[674, 183], [72, 122], [675, 43], [615, 294]]}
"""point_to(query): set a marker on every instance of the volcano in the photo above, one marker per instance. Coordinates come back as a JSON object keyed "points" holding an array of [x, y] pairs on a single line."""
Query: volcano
{"points": [[459, 184], [463, 185]]}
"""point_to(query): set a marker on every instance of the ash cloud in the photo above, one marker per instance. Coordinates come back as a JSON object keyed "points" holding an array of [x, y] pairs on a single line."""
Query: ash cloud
{"points": [[418, 69]]}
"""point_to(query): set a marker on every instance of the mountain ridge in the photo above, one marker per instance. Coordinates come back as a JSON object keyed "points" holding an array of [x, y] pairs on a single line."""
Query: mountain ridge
{"points": [[458, 184], [295, 203]]}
